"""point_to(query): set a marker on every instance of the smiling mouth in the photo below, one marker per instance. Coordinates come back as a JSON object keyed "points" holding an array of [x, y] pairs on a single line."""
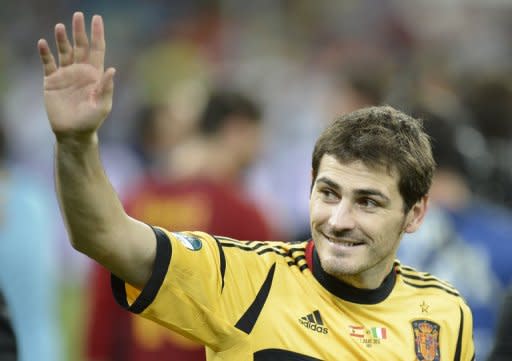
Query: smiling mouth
{"points": [[348, 244], [342, 242]]}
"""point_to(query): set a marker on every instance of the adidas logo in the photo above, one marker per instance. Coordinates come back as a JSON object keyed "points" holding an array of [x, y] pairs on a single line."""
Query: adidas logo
{"points": [[314, 322]]}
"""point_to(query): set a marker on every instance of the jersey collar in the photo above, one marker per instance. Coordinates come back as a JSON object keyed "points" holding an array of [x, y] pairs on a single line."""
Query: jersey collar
{"points": [[343, 290]]}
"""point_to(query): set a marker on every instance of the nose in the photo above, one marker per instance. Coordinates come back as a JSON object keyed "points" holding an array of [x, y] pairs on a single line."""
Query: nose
{"points": [[342, 216]]}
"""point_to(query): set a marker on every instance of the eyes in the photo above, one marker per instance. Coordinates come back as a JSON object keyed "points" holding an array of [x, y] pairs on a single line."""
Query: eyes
{"points": [[330, 196], [368, 203]]}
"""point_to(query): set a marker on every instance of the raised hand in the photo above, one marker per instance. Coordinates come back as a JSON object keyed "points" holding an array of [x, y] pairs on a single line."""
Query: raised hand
{"points": [[77, 91]]}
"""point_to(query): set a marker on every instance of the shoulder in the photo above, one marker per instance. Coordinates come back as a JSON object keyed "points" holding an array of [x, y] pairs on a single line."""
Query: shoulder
{"points": [[280, 248], [275, 251], [426, 283]]}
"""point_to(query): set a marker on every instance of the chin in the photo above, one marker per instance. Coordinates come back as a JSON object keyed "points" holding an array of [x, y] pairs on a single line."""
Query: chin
{"points": [[341, 267]]}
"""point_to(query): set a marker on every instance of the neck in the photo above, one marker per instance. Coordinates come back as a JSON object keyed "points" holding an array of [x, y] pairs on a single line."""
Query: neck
{"points": [[370, 279], [348, 290]]}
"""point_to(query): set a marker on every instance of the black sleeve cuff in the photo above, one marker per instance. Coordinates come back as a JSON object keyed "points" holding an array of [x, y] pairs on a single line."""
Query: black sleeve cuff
{"points": [[160, 268]]}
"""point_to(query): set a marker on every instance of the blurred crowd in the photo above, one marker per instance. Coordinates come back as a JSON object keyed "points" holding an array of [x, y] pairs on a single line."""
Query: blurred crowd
{"points": [[301, 63]]}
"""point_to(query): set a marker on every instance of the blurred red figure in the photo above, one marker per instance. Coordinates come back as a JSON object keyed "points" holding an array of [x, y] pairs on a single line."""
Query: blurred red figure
{"points": [[200, 183]]}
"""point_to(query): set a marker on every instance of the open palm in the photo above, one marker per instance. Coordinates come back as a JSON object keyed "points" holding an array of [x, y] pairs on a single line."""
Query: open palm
{"points": [[77, 92]]}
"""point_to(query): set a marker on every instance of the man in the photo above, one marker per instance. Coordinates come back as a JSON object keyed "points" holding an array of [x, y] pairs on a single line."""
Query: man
{"points": [[341, 296], [502, 349], [202, 194], [8, 349]]}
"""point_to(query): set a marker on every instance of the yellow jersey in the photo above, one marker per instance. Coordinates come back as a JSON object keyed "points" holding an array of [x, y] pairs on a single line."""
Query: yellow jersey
{"points": [[262, 301]]}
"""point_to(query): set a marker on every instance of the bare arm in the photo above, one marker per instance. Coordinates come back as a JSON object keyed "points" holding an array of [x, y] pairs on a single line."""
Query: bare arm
{"points": [[78, 97]]}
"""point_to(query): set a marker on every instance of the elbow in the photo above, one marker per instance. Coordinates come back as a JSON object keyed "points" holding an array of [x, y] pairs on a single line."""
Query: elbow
{"points": [[78, 245], [82, 246], [96, 248]]}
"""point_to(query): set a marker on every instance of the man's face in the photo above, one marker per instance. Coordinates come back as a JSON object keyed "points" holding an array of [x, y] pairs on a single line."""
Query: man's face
{"points": [[357, 220]]}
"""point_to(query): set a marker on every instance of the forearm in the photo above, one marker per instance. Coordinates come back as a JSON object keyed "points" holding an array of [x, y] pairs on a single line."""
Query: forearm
{"points": [[95, 219], [90, 207]]}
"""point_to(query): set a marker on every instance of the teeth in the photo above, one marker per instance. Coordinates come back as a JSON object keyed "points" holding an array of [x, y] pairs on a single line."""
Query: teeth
{"points": [[343, 243], [346, 244]]}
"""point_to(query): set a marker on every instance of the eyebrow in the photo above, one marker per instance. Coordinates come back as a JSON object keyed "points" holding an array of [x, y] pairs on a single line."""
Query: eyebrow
{"points": [[329, 182], [360, 192]]}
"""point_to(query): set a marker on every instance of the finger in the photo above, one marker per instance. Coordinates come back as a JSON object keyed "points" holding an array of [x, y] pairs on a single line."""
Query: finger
{"points": [[80, 40], [106, 84], [47, 58], [64, 48], [97, 51]]}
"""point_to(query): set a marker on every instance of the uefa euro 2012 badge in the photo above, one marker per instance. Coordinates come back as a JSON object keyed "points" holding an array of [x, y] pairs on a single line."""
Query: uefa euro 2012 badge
{"points": [[190, 242]]}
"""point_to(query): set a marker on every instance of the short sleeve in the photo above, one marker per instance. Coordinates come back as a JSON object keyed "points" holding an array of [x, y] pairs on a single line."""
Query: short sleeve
{"points": [[185, 290], [465, 346]]}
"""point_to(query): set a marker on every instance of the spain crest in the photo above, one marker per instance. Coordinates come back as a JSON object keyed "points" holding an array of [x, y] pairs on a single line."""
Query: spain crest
{"points": [[426, 340]]}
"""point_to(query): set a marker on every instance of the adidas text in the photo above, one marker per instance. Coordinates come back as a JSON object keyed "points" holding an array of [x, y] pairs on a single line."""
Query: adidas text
{"points": [[313, 326]]}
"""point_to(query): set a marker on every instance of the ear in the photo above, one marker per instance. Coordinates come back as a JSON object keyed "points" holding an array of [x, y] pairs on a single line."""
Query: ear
{"points": [[416, 214], [312, 184]]}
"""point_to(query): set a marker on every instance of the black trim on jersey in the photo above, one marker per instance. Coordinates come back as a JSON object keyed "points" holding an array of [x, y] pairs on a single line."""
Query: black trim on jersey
{"points": [[426, 277], [459, 339], [272, 249], [274, 354], [247, 247], [349, 293], [432, 286], [249, 318], [303, 267], [160, 267], [222, 262], [269, 248], [430, 278]]}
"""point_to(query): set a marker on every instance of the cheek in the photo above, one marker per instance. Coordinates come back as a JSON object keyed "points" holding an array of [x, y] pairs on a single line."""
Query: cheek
{"points": [[385, 231], [381, 229], [319, 213]]}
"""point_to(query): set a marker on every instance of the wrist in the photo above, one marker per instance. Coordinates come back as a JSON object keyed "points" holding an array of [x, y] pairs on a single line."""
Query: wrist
{"points": [[77, 143], [77, 140]]}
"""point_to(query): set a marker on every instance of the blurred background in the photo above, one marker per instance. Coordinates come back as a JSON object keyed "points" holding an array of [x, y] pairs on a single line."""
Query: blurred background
{"points": [[303, 62]]}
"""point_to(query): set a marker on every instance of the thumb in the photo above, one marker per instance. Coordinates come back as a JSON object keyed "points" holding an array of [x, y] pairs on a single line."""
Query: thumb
{"points": [[106, 84]]}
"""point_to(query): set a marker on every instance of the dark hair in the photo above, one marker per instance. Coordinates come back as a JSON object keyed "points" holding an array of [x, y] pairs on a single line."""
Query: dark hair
{"points": [[221, 106], [382, 136]]}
